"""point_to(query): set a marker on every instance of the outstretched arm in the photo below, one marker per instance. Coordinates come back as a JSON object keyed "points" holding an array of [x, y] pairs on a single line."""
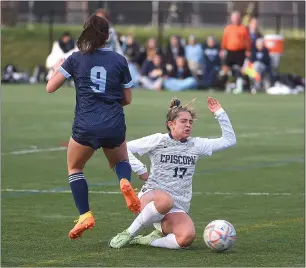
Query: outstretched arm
{"points": [[142, 146], [228, 138]]}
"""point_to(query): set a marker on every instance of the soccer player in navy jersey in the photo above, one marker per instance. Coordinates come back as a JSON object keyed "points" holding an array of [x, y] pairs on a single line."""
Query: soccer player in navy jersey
{"points": [[103, 86]]}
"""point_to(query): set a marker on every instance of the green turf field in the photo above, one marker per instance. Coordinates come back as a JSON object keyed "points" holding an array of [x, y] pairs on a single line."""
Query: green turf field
{"points": [[258, 186]]}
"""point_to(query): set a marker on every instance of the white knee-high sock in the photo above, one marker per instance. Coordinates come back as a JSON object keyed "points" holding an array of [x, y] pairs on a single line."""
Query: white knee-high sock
{"points": [[168, 241], [147, 217]]}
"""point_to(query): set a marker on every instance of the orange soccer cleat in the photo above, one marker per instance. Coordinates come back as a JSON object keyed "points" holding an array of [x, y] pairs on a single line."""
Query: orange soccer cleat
{"points": [[85, 221], [131, 198]]}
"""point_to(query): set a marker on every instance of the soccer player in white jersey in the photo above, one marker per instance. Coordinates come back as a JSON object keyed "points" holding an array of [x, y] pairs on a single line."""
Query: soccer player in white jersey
{"points": [[165, 197]]}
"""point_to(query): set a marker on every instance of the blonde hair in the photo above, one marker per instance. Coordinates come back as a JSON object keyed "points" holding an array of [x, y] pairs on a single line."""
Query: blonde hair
{"points": [[175, 107]]}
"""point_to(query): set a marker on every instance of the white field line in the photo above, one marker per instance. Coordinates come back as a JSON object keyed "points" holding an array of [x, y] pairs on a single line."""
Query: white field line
{"points": [[272, 133], [54, 191], [255, 194], [118, 192], [31, 151], [242, 135]]}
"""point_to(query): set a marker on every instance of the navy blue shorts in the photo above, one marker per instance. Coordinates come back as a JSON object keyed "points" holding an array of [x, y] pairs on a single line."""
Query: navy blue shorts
{"points": [[96, 142]]}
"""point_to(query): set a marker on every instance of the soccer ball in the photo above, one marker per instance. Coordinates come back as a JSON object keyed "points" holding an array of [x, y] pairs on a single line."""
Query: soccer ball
{"points": [[219, 235]]}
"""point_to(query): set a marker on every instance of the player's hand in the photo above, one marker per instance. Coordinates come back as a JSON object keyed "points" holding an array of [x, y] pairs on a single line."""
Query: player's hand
{"points": [[213, 104], [58, 64], [144, 176]]}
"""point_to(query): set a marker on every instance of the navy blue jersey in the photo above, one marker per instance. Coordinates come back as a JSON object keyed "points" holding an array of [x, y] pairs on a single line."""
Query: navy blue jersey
{"points": [[99, 78]]}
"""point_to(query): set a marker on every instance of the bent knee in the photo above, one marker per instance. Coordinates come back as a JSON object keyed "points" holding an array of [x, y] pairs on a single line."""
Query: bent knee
{"points": [[185, 239], [163, 202]]}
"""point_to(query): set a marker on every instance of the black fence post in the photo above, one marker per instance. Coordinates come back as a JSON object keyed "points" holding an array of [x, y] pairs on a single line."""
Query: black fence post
{"points": [[51, 20], [278, 20], [160, 27]]}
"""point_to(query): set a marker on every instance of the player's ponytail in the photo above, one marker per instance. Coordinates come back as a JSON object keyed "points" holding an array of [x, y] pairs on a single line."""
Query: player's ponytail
{"points": [[94, 35], [175, 107]]}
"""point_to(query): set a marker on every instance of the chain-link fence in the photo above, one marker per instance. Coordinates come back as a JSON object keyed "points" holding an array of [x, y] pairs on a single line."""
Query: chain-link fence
{"points": [[275, 15]]}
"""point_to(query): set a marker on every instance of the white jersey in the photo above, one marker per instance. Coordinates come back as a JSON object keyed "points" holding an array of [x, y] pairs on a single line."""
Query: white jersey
{"points": [[173, 162]]}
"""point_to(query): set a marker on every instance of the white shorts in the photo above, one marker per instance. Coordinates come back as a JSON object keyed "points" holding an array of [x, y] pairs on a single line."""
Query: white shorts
{"points": [[157, 225], [143, 191]]}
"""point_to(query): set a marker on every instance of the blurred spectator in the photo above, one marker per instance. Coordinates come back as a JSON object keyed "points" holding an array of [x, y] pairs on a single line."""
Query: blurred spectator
{"points": [[194, 56], [174, 49], [180, 78], [149, 51], [152, 73], [236, 44], [131, 49], [134, 74], [113, 41], [60, 48], [39, 75], [261, 63], [66, 42], [121, 40], [235, 41], [254, 31], [12, 75], [260, 53], [212, 61]]}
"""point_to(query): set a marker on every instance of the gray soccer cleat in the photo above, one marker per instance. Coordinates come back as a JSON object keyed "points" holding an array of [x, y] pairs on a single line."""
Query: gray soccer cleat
{"points": [[147, 239], [120, 239]]}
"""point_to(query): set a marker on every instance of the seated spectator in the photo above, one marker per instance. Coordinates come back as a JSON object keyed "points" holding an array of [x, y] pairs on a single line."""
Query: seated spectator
{"points": [[148, 52], [261, 63], [61, 47], [260, 53], [212, 61], [131, 49], [254, 31], [12, 75], [180, 78], [174, 49], [152, 72], [194, 56], [134, 73], [122, 42]]}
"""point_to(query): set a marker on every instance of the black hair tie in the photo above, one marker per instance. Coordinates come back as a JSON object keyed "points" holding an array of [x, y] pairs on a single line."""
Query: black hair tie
{"points": [[177, 103]]}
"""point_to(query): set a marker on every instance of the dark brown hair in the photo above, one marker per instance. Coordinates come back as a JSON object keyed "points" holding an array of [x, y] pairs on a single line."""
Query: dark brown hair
{"points": [[176, 107], [94, 35]]}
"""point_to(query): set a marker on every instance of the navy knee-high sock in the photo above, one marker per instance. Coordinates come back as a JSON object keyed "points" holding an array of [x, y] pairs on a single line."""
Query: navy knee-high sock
{"points": [[79, 190], [123, 170]]}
